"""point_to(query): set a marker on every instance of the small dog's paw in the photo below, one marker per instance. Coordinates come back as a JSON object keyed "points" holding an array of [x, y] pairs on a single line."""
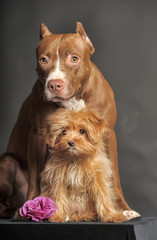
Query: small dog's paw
{"points": [[130, 214], [84, 217], [57, 218]]}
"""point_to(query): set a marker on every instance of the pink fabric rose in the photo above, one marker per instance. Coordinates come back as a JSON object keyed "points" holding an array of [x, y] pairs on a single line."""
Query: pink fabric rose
{"points": [[38, 209]]}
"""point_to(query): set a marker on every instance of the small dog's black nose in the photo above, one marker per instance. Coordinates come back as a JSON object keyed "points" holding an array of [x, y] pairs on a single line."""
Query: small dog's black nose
{"points": [[71, 143]]}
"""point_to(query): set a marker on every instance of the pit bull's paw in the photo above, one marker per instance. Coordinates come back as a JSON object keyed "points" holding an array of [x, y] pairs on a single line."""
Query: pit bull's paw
{"points": [[130, 214]]}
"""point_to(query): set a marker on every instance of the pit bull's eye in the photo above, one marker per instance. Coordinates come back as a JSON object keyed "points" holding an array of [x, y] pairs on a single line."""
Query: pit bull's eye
{"points": [[82, 131], [74, 59], [43, 60]]}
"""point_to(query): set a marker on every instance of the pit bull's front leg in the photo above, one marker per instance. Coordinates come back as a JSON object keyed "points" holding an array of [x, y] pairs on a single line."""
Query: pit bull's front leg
{"points": [[36, 159], [112, 145]]}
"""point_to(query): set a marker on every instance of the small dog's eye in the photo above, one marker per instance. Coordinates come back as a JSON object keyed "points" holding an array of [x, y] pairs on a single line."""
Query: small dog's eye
{"points": [[82, 131], [74, 59], [43, 60], [64, 132]]}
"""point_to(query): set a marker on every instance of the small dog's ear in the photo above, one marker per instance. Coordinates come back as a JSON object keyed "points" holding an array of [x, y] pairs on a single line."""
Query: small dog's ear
{"points": [[51, 138], [101, 125], [98, 122], [44, 31], [80, 30]]}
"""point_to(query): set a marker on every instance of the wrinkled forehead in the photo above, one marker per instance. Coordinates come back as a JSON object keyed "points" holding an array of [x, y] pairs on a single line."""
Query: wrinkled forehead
{"points": [[72, 42], [48, 44], [63, 42]]}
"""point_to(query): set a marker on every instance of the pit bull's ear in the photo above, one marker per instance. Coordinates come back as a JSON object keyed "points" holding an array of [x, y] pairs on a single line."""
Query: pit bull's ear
{"points": [[80, 30], [44, 31]]}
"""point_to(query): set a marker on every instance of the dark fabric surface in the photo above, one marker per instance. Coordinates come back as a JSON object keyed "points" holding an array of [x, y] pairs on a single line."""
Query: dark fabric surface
{"points": [[138, 229]]}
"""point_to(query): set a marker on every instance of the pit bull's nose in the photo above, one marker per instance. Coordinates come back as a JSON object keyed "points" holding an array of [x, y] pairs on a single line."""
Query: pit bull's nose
{"points": [[56, 85]]}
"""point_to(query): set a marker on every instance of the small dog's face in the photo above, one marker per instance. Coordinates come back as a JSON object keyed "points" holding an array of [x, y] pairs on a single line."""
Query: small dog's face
{"points": [[74, 133]]}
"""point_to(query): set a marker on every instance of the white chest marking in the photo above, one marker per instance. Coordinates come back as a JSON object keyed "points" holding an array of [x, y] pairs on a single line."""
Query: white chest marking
{"points": [[73, 104]]}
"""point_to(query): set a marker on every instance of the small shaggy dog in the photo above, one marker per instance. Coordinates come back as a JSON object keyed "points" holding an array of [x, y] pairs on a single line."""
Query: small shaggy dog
{"points": [[78, 174]]}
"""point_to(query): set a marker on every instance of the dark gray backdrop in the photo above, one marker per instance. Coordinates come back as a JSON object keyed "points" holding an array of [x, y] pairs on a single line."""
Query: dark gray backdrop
{"points": [[124, 34]]}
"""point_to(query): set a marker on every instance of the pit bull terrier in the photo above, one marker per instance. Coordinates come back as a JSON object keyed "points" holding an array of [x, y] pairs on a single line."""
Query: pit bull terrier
{"points": [[66, 78]]}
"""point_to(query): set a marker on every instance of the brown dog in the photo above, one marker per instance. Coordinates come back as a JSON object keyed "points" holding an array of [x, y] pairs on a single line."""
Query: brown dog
{"points": [[67, 78], [78, 174]]}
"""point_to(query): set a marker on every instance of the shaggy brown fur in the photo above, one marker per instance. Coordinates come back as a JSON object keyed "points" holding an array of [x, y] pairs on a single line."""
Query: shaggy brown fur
{"points": [[78, 174]]}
